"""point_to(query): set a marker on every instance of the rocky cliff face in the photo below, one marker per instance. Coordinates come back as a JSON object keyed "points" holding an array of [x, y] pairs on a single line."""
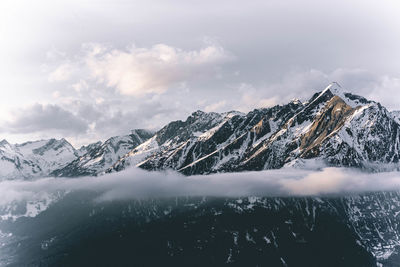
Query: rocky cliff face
{"points": [[334, 128]]}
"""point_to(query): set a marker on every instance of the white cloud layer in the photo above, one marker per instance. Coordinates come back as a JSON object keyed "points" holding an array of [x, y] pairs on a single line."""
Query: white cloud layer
{"points": [[135, 183]]}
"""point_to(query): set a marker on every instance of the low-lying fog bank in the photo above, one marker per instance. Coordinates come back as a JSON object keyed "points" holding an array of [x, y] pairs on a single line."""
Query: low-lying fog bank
{"points": [[136, 183], [43, 220]]}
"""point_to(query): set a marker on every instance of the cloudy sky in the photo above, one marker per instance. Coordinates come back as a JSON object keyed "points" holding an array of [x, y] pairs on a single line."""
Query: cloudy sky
{"points": [[87, 70]]}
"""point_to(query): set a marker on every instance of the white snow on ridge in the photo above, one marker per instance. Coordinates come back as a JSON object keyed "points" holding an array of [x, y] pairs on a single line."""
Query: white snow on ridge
{"points": [[336, 89], [138, 154], [35, 158]]}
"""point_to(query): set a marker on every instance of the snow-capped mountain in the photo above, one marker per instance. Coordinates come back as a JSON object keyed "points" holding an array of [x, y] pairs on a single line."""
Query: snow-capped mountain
{"points": [[37, 158], [59, 158], [334, 127], [98, 157]]}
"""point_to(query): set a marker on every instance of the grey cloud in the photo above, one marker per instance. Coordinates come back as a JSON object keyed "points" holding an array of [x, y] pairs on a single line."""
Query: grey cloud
{"points": [[302, 84], [118, 117], [89, 112], [282, 50], [358, 80], [42, 118]]}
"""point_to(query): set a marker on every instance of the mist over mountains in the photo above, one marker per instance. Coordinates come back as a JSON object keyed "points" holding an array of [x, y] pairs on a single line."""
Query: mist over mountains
{"points": [[285, 217], [311, 183]]}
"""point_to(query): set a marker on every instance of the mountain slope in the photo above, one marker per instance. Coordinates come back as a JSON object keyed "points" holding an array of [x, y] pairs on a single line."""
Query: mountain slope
{"points": [[100, 156], [37, 158], [333, 127], [356, 230]]}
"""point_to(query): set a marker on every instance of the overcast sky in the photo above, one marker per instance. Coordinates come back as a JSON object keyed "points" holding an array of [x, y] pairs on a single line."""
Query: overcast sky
{"points": [[87, 70]]}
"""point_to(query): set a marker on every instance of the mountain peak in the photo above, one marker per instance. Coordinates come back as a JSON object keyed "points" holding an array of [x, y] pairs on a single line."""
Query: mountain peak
{"points": [[64, 141], [4, 142], [295, 101], [335, 88], [198, 113], [352, 100]]}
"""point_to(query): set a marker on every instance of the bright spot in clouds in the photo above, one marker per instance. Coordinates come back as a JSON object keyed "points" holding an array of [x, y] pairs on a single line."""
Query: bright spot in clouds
{"points": [[139, 71]]}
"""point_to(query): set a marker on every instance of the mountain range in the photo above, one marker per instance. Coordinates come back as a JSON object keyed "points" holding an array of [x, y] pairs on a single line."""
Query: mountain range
{"points": [[332, 128]]}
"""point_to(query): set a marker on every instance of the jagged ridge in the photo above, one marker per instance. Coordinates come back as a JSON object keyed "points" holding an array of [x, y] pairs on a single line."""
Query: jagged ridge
{"points": [[333, 127]]}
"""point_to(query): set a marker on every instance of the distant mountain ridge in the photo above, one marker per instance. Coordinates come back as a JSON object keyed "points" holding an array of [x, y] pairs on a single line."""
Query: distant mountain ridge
{"points": [[332, 128], [37, 158], [55, 157], [101, 156]]}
